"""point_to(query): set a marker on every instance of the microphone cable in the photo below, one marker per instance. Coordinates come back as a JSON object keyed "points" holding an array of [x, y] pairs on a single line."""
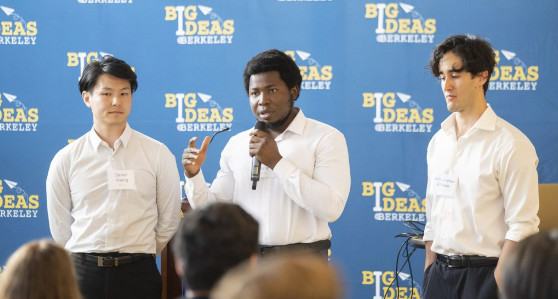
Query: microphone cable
{"points": [[417, 232]]}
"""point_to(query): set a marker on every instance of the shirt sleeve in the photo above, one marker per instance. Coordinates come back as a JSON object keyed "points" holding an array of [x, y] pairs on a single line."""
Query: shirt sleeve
{"points": [[59, 201], [326, 191], [518, 181], [168, 198], [222, 188]]}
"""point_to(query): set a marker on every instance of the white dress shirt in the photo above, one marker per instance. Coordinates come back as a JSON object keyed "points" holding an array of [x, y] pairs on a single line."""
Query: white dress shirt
{"points": [[296, 200], [482, 188], [86, 215]]}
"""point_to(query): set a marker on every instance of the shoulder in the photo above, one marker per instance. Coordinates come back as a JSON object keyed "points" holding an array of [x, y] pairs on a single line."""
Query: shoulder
{"points": [[511, 139], [73, 147], [315, 127], [147, 141]]}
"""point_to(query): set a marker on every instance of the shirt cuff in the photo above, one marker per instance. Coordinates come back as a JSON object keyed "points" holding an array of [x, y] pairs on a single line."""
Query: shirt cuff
{"points": [[519, 232]]}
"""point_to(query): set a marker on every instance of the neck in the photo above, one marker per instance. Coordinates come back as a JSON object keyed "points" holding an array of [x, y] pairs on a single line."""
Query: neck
{"points": [[465, 120], [109, 134], [280, 126]]}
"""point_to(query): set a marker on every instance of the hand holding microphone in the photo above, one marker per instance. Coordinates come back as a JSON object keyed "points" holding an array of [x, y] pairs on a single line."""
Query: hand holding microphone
{"points": [[256, 164], [263, 149]]}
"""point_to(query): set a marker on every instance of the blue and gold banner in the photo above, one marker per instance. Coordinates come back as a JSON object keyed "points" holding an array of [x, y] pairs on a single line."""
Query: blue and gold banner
{"points": [[364, 67]]}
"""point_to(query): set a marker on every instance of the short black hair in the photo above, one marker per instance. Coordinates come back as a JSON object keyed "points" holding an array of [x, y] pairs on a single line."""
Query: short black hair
{"points": [[107, 65], [212, 240], [531, 268], [273, 60], [476, 54]]}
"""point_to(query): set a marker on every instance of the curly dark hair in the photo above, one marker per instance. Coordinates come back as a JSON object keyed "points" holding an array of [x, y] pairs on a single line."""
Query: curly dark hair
{"points": [[477, 55], [273, 60]]}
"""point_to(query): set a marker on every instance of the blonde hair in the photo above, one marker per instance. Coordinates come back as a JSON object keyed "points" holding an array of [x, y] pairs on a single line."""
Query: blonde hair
{"points": [[303, 276], [39, 270]]}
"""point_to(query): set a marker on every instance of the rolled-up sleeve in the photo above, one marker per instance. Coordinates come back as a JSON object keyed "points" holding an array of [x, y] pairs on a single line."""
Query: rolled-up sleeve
{"points": [[519, 185]]}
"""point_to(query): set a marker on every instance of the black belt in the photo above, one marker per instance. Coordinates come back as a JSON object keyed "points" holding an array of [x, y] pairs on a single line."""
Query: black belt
{"points": [[111, 259], [462, 261], [297, 247]]}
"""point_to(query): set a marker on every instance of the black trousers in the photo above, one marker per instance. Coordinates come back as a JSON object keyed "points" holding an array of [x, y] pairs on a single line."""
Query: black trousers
{"points": [[441, 281], [138, 280]]}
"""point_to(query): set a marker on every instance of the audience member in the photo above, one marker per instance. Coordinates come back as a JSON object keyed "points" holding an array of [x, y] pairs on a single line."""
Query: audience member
{"points": [[289, 276], [37, 270], [210, 241], [532, 268]]}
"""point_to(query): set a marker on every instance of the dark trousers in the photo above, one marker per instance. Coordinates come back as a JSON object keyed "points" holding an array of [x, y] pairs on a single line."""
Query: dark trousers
{"points": [[137, 280], [441, 281]]}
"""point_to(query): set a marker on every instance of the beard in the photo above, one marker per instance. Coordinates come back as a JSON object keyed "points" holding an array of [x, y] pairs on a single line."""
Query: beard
{"points": [[283, 120]]}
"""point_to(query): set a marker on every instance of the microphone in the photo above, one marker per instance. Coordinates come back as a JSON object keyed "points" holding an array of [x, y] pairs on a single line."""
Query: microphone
{"points": [[256, 164]]}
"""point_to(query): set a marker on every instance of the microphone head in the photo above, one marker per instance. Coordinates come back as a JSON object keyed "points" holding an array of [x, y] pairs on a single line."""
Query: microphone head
{"points": [[260, 125]]}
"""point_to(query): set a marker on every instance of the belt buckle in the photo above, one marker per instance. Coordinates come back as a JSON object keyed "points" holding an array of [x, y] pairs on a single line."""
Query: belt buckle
{"points": [[457, 261], [101, 261]]}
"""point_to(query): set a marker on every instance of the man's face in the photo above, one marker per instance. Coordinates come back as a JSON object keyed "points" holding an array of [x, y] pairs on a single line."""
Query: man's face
{"points": [[270, 98], [461, 90], [110, 101]]}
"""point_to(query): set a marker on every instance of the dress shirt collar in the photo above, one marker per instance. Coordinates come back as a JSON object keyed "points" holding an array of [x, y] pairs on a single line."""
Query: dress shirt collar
{"points": [[296, 126], [124, 139], [487, 121]]}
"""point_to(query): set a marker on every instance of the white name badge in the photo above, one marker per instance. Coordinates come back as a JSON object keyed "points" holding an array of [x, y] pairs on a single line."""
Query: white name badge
{"points": [[445, 185], [121, 179]]}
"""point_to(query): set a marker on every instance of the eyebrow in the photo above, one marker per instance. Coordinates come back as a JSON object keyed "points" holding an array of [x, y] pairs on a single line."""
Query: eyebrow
{"points": [[108, 88], [263, 87], [455, 70]]}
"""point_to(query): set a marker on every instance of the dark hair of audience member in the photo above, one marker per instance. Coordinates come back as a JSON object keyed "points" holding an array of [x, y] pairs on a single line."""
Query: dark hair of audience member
{"points": [[531, 270]]}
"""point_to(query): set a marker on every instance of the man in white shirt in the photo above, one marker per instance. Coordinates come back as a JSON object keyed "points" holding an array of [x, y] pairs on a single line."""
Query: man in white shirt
{"points": [[113, 195], [482, 193], [305, 177]]}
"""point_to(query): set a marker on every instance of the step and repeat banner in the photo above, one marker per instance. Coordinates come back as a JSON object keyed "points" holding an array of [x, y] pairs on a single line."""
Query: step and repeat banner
{"points": [[364, 65]]}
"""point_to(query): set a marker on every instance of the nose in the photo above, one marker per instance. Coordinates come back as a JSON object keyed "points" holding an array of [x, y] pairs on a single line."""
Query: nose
{"points": [[116, 100], [263, 99], [447, 84]]}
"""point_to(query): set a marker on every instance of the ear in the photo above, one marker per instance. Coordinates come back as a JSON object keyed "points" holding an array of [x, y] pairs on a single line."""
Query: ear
{"points": [[178, 266], [483, 77], [86, 96], [294, 92]]}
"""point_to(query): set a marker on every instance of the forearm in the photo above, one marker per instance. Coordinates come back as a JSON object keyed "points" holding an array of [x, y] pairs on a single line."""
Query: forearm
{"points": [[506, 249]]}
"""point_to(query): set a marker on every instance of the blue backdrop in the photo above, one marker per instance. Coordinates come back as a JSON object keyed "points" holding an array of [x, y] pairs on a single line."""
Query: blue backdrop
{"points": [[364, 72]]}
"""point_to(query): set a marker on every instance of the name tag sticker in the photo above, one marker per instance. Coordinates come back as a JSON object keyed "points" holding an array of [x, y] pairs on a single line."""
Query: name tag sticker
{"points": [[121, 179], [445, 185]]}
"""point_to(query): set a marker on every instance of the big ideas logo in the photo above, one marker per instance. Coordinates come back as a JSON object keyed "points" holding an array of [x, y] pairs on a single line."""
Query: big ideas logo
{"points": [[389, 118], [82, 59], [16, 203], [198, 111], [394, 204], [15, 116], [314, 75], [393, 27], [198, 24], [383, 282], [17, 31], [511, 73]]}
